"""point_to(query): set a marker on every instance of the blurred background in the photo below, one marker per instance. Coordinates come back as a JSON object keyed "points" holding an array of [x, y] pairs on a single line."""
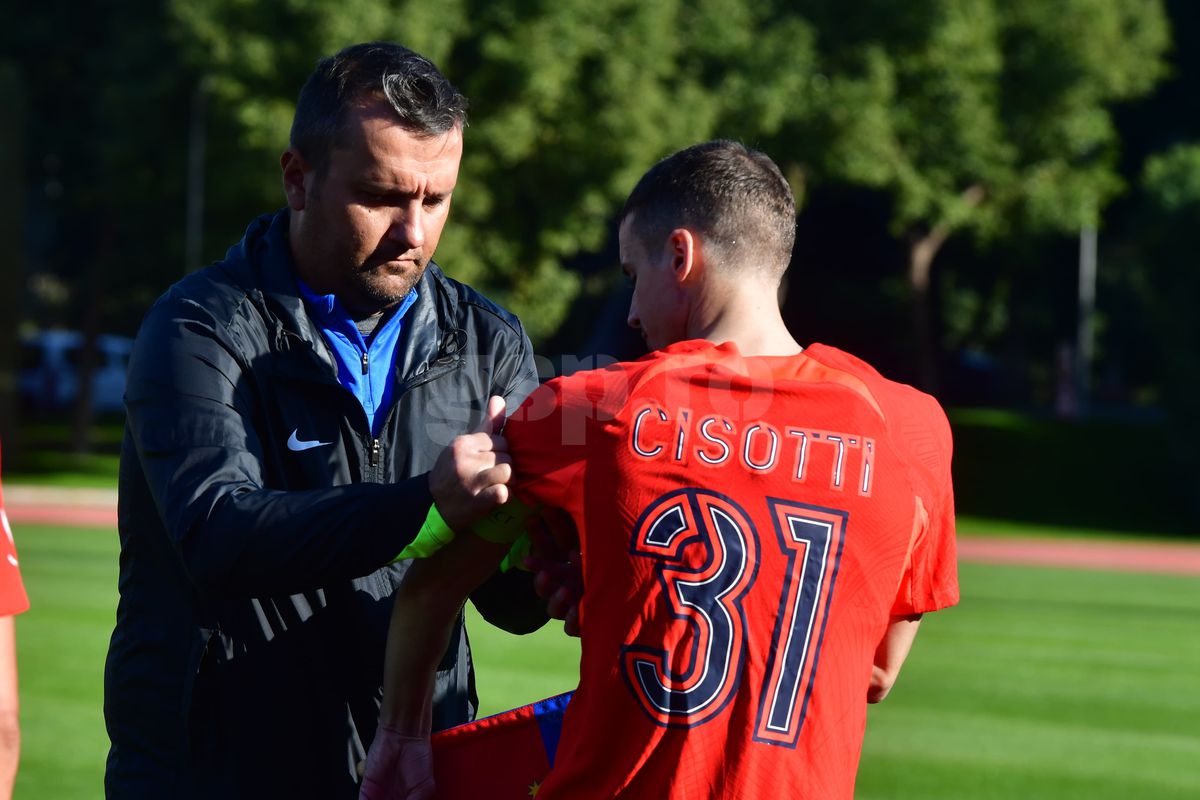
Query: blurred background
{"points": [[1000, 203]]}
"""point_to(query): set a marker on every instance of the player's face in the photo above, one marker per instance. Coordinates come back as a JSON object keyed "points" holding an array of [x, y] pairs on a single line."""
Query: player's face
{"points": [[658, 308], [366, 228]]}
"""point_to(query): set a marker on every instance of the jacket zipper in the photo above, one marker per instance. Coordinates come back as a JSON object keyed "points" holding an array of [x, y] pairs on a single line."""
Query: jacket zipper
{"points": [[427, 376], [376, 452], [365, 364]]}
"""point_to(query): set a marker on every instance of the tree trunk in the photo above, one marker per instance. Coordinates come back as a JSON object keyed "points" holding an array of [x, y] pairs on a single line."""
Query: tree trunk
{"points": [[922, 250], [12, 254], [920, 265]]}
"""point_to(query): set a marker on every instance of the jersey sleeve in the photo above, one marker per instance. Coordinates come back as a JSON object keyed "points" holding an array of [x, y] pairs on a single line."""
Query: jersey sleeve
{"points": [[930, 579], [548, 436], [13, 599]]}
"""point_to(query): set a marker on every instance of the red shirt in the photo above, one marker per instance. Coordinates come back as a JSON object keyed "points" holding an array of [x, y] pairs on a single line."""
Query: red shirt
{"points": [[748, 528], [12, 589]]}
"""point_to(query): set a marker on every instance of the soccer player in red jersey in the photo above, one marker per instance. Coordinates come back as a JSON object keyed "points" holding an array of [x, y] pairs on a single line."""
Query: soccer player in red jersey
{"points": [[762, 525], [13, 601]]}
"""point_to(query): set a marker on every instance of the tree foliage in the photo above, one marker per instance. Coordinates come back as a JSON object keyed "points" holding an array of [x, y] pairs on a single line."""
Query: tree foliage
{"points": [[972, 114], [1169, 284], [571, 101]]}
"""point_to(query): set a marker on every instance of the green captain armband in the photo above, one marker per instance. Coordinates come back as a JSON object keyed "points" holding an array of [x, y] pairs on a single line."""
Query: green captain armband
{"points": [[505, 524], [433, 536], [516, 555]]}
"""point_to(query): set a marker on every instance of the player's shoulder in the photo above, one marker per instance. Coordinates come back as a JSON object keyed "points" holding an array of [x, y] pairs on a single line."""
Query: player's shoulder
{"points": [[604, 390], [915, 418], [893, 396]]}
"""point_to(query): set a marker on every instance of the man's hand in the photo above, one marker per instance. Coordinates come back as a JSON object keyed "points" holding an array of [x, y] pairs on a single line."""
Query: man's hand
{"points": [[399, 767], [556, 562], [470, 476]]}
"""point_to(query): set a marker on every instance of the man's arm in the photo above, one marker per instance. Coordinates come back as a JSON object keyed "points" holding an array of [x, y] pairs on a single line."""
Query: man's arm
{"points": [[427, 603], [890, 655], [196, 425], [10, 729]]}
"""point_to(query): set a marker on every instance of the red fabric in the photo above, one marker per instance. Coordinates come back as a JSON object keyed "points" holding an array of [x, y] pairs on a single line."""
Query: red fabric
{"points": [[501, 757], [13, 599], [732, 610]]}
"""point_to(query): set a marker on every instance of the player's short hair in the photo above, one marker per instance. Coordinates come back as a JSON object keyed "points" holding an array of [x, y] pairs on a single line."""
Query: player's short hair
{"points": [[734, 197], [426, 103]]}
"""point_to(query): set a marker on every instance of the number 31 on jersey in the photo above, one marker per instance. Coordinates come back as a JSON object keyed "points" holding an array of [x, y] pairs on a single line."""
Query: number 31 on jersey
{"points": [[692, 684]]}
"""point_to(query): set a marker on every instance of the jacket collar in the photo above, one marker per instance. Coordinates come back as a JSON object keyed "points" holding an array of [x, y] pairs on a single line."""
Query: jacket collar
{"points": [[433, 337]]}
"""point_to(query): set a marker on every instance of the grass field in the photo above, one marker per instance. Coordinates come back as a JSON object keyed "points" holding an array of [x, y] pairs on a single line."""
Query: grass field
{"points": [[1041, 684]]}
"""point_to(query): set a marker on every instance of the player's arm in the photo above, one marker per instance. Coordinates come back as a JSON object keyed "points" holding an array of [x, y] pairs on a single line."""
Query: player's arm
{"points": [[507, 599], [427, 603], [10, 730], [890, 655]]}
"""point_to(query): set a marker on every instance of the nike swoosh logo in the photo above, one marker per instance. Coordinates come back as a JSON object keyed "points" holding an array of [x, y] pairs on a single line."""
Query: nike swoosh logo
{"points": [[294, 442]]}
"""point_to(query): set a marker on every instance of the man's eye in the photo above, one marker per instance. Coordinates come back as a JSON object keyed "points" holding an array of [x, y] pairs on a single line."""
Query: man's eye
{"points": [[434, 202]]}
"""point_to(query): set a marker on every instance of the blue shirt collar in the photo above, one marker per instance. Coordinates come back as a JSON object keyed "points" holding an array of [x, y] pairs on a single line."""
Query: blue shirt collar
{"points": [[328, 313]]}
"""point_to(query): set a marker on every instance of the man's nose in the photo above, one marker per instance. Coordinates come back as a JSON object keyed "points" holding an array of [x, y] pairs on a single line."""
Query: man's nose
{"points": [[633, 319], [409, 226]]}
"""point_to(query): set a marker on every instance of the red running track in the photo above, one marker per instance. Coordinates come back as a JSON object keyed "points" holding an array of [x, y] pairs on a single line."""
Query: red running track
{"points": [[1154, 557]]}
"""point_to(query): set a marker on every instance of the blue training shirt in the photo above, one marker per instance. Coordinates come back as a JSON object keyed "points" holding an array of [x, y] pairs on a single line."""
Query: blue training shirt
{"points": [[366, 370]]}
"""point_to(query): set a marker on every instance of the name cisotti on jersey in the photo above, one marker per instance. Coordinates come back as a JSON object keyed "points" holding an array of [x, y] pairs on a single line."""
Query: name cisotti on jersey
{"points": [[749, 525]]}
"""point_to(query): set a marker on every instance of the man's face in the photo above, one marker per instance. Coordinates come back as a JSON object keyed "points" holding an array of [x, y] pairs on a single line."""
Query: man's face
{"points": [[658, 309], [366, 228]]}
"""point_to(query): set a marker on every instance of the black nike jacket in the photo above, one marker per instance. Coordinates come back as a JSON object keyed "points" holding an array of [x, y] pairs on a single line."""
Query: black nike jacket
{"points": [[247, 655]]}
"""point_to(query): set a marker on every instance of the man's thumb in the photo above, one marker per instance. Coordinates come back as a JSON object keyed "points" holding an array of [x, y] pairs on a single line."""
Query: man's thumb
{"points": [[493, 418]]}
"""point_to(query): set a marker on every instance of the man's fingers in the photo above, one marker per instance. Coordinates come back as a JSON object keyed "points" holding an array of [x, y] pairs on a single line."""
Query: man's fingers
{"points": [[571, 623], [492, 496], [543, 584], [561, 603], [493, 418], [479, 442], [497, 474]]}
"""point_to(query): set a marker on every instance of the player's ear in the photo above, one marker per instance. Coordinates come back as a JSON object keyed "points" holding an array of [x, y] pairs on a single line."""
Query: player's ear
{"points": [[683, 253], [296, 174]]}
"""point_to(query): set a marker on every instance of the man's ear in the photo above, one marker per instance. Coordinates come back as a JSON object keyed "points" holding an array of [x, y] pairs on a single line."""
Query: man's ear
{"points": [[684, 254], [296, 174]]}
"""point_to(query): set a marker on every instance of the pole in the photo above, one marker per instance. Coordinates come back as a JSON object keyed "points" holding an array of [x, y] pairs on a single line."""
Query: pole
{"points": [[1085, 335]]}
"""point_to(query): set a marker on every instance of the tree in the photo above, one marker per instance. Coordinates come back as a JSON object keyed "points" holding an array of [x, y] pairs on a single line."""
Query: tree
{"points": [[975, 115], [571, 101], [103, 197], [1165, 279]]}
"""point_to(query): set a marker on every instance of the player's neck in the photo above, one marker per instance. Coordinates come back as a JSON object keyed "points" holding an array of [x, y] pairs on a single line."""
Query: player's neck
{"points": [[749, 319]]}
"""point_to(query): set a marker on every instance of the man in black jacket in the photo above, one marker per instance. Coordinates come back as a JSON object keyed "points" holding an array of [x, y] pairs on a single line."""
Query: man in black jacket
{"points": [[286, 410]]}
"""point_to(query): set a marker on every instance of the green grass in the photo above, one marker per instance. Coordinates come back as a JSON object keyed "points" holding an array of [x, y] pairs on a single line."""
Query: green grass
{"points": [[45, 455], [1046, 683], [1043, 683], [75, 470], [70, 575]]}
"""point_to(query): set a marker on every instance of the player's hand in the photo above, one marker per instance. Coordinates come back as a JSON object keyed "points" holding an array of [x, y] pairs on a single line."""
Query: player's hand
{"points": [[470, 476], [399, 767], [557, 566]]}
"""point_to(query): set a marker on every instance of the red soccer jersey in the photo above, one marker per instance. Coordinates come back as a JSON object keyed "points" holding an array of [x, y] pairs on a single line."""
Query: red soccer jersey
{"points": [[748, 527], [12, 590]]}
